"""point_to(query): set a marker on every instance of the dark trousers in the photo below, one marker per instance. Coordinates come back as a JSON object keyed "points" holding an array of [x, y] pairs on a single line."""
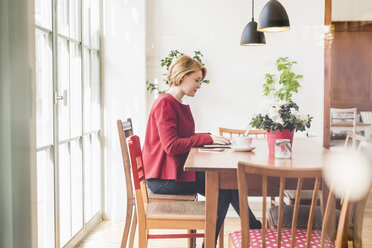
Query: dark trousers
{"points": [[225, 197]]}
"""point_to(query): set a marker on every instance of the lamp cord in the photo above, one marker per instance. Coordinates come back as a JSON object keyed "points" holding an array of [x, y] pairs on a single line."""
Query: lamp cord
{"points": [[252, 10]]}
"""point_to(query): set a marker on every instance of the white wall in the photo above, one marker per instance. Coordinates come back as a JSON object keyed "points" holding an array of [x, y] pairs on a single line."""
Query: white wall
{"points": [[356, 10], [123, 91], [237, 73]]}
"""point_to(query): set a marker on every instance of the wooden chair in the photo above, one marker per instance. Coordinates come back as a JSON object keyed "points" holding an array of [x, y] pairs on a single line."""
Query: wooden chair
{"points": [[239, 132], [340, 118], [366, 118], [306, 195], [274, 180], [189, 215], [125, 130], [356, 140], [358, 215]]}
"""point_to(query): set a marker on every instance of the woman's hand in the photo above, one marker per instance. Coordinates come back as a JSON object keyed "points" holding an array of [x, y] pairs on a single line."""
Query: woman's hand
{"points": [[220, 140]]}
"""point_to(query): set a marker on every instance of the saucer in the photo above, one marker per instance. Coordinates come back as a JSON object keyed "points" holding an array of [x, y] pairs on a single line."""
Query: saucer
{"points": [[243, 149]]}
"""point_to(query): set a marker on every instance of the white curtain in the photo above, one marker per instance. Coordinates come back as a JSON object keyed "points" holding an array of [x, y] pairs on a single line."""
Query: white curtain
{"points": [[17, 125]]}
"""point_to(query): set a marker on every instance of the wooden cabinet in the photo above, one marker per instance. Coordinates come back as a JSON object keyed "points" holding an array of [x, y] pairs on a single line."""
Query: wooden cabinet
{"points": [[348, 70], [351, 70]]}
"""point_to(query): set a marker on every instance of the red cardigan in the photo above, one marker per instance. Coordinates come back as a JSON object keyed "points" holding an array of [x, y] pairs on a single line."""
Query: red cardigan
{"points": [[170, 135]]}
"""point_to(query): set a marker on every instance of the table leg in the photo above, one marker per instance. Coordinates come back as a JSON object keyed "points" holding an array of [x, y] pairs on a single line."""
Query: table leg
{"points": [[211, 197]]}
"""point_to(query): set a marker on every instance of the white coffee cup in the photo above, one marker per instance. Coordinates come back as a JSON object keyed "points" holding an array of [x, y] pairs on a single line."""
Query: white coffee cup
{"points": [[241, 142]]}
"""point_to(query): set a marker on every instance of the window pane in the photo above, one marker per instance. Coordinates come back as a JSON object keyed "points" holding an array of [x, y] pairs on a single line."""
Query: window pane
{"points": [[86, 22], [87, 92], [64, 193], [75, 19], [76, 186], [45, 199], [75, 90], [94, 24], [43, 13], [96, 173], [63, 85], [63, 17], [95, 91], [88, 212], [44, 89]]}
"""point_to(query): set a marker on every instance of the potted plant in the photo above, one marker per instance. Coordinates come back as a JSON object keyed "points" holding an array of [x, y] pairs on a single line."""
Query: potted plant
{"points": [[280, 116], [166, 63]]}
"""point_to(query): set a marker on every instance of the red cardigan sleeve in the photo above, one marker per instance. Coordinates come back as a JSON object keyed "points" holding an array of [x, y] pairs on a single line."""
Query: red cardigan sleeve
{"points": [[166, 121]]}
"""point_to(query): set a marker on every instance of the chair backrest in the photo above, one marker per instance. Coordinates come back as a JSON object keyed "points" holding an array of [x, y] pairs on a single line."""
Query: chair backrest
{"points": [[359, 209], [274, 180], [138, 173], [240, 132], [367, 118], [125, 130], [357, 140], [344, 115]]}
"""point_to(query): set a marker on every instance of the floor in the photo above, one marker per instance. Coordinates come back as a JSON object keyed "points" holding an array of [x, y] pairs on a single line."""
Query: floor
{"points": [[108, 234]]}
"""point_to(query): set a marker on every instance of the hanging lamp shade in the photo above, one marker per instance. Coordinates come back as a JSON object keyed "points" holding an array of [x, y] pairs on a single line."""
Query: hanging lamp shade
{"points": [[250, 35], [273, 18]]}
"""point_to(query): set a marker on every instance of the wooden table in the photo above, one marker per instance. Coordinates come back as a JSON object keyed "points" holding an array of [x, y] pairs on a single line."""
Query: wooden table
{"points": [[220, 168]]}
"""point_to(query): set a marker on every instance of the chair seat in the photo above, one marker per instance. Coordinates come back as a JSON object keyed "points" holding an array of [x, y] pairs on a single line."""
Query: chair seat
{"points": [[303, 216], [176, 210], [271, 238], [165, 197]]}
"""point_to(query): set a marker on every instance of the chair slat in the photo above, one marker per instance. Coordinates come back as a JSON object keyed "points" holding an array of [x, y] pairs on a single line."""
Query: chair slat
{"points": [[280, 215], [312, 212], [345, 216], [326, 217], [264, 221], [295, 211]]}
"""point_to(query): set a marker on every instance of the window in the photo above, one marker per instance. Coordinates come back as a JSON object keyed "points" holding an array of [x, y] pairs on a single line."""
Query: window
{"points": [[68, 118]]}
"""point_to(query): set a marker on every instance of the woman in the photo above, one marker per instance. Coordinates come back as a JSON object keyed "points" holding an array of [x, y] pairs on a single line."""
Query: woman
{"points": [[170, 135]]}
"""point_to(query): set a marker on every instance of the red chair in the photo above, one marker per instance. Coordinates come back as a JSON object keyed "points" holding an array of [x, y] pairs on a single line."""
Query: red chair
{"points": [[187, 215], [125, 129]]}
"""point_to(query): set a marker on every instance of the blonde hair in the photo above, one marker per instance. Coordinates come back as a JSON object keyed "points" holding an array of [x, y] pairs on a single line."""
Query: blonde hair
{"points": [[184, 65]]}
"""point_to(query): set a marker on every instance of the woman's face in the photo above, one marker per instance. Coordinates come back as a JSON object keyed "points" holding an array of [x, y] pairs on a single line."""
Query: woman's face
{"points": [[191, 83]]}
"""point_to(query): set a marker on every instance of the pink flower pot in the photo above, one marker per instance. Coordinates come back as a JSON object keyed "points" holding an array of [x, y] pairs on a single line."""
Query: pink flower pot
{"points": [[272, 137]]}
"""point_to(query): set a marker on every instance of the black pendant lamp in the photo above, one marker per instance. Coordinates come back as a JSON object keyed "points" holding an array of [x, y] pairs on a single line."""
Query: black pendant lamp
{"points": [[250, 35], [273, 18]]}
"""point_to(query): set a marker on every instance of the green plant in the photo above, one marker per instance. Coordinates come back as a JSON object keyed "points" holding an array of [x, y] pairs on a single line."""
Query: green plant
{"points": [[279, 111], [281, 115], [166, 63], [288, 80]]}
